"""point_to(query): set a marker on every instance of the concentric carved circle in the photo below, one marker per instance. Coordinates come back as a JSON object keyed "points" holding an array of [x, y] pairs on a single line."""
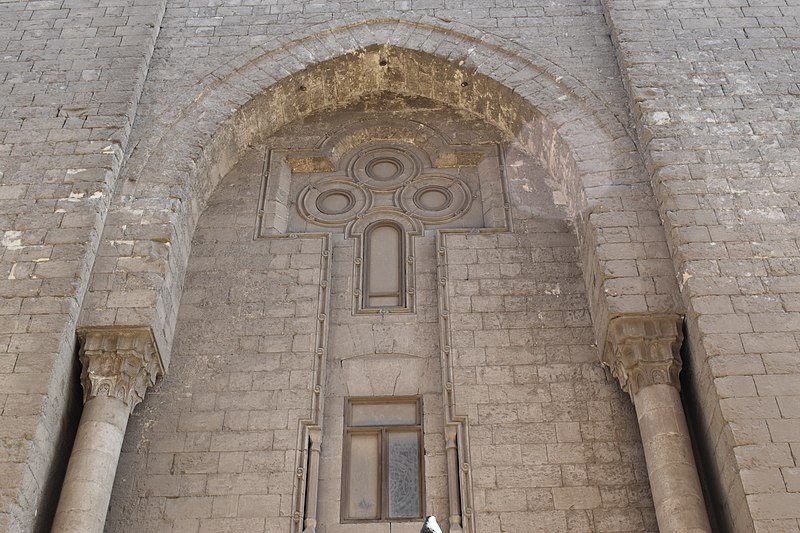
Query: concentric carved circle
{"points": [[333, 202], [436, 198], [385, 168], [433, 198]]}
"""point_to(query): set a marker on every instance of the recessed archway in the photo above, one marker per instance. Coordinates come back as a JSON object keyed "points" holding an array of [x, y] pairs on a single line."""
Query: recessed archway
{"points": [[583, 147]]}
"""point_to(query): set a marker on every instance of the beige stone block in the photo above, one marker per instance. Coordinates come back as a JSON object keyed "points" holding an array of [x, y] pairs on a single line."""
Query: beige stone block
{"points": [[568, 432], [535, 522], [784, 430], [568, 453], [777, 384], [193, 485], [612, 474], [782, 363], [264, 461], [791, 477], [736, 365], [762, 480], [789, 406], [618, 520], [735, 386], [776, 526], [763, 455], [614, 496], [501, 500], [539, 499], [196, 463], [230, 462], [410, 527], [576, 497], [500, 455], [224, 506], [188, 507], [160, 463], [575, 475], [188, 525], [750, 431], [497, 414], [236, 420], [253, 505], [232, 525], [774, 506], [738, 408], [529, 476], [534, 454], [484, 476], [161, 485]]}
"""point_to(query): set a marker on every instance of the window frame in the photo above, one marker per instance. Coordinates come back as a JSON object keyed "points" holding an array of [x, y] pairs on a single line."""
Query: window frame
{"points": [[367, 292], [383, 462]]}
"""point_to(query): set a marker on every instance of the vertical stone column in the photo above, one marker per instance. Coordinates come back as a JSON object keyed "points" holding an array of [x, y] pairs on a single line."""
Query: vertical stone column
{"points": [[118, 367], [312, 486], [454, 495], [643, 353]]}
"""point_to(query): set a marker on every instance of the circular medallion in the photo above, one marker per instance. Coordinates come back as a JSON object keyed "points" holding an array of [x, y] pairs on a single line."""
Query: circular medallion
{"points": [[435, 199], [384, 168], [333, 202]]}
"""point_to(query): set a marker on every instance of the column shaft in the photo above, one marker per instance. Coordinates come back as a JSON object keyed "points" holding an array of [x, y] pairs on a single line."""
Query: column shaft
{"points": [[643, 353], [92, 467], [677, 495]]}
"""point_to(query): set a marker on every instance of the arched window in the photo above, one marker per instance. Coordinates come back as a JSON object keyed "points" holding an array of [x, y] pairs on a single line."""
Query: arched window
{"points": [[384, 276]]}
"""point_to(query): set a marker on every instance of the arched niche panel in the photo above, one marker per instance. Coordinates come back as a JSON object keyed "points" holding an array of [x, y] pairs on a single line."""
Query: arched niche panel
{"points": [[579, 143]]}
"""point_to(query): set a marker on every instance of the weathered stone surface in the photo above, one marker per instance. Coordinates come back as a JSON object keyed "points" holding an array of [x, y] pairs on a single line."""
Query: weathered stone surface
{"points": [[709, 147]]}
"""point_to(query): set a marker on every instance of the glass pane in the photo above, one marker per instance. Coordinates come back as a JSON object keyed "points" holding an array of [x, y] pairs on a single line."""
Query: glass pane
{"points": [[404, 487], [384, 267], [384, 414], [364, 498]]}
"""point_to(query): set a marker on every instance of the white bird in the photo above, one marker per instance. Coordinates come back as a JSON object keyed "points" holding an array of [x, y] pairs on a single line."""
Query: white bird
{"points": [[430, 525]]}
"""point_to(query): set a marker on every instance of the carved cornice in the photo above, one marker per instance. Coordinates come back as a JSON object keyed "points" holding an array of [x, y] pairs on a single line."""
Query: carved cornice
{"points": [[644, 350], [119, 363]]}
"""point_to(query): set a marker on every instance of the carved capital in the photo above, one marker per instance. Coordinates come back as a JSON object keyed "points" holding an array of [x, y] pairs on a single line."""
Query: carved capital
{"points": [[119, 363], [644, 350]]}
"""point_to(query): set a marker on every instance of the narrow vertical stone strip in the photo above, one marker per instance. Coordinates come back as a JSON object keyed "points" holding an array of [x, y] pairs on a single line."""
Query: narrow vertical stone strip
{"points": [[643, 353], [312, 489], [450, 432], [118, 366]]}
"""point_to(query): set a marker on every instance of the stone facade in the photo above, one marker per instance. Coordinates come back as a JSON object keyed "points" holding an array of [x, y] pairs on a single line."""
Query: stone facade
{"points": [[649, 161]]}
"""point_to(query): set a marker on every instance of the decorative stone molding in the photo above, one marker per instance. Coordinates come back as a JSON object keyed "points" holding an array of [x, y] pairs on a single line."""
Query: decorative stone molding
{"points": [[119, 363], [644, 350]]}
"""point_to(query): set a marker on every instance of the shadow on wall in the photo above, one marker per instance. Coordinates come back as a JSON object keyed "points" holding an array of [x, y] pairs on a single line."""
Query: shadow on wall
{"points": [[713, 492], [64, 437]]}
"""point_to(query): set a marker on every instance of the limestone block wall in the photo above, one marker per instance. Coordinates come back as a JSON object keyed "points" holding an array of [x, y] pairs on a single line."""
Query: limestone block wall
{"points": [[71, 74], [552, 440], [714, 88], [214, 447], [554, 443]]}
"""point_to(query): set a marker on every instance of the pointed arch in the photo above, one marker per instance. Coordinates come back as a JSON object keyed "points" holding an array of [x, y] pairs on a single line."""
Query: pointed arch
{"points": [[581, 144]]}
